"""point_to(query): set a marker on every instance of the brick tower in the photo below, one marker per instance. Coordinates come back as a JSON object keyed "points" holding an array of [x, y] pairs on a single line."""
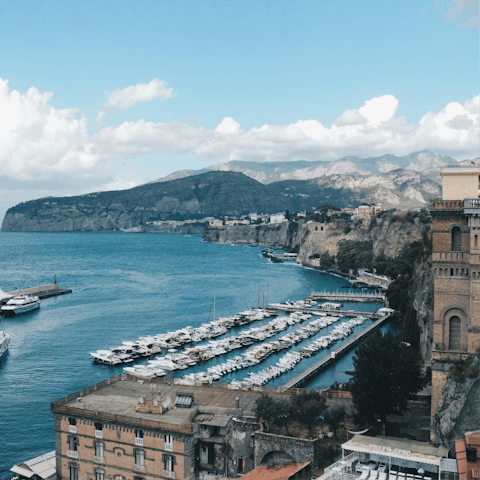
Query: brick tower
{"points": [[456, 270]]}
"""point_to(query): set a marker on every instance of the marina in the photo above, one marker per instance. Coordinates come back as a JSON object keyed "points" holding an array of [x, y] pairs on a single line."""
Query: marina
{"points": [[316, 368], [127, 287]]}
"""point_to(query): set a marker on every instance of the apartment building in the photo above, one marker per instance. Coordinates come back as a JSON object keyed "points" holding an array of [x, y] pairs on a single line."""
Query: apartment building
{"points": [[126, 428]]}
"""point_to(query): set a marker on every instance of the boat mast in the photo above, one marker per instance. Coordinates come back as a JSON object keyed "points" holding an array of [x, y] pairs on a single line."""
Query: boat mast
{"points": [[258, 295], [214, 317], [268, 285]]}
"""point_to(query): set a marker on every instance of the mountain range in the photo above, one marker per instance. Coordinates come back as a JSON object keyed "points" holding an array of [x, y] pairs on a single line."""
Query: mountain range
{"points": [[269, 172]]}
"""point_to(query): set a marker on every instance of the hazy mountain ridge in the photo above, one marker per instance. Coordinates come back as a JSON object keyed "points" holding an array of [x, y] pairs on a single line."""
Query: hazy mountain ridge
{"points": [[270, 172], [217, 194]]}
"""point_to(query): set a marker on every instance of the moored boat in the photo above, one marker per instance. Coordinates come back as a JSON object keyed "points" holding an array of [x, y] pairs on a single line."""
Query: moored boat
{"points": [[21, 304], [4, 342]]}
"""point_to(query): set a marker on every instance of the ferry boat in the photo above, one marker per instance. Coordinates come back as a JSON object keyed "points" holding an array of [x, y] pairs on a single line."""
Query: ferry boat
{"points": [[4, 342], [21, 304]]}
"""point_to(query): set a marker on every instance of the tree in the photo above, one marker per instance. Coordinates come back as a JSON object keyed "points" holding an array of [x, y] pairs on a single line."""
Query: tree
{"points": [[334, 417], [387, 374], [309, 408], [282, 413], [264, 407]]}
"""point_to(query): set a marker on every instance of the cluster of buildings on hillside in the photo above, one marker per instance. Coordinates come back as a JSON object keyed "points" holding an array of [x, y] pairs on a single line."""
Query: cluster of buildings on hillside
{"points": [[128, 428]]}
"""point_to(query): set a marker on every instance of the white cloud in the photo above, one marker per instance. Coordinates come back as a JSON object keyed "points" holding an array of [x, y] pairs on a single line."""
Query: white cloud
{"points": [[461, 13], [38, 141], [371, 129], [52, 149]]}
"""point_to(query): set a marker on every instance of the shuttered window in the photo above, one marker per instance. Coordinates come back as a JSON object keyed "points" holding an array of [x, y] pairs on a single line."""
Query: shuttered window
{"points": [[455, 333], [456, 240]]}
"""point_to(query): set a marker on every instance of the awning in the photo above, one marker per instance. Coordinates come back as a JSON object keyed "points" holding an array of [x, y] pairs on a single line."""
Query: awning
{"points": [[410, 450], [43, 466]]}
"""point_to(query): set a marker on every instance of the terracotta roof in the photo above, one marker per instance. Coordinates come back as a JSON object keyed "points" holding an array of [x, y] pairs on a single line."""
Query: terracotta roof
{"points": [[275, 472]]}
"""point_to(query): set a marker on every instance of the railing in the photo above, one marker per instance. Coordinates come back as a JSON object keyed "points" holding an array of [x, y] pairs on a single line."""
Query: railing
{"points": [[98, 433], [168, 474], [99, 459], [139, 468], [343, 462], [139, 442], [446, 204], [471, 203], [169, 447], [72, 454], [72, 429]]}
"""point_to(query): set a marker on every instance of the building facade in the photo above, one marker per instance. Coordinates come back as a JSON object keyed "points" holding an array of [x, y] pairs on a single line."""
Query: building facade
{"points": [[456, 270], [127, 428]]}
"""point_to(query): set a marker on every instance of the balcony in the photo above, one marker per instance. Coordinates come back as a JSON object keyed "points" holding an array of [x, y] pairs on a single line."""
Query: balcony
{"points": [[139, 468], [99, 460], [72, 454], [168, 474], [139, 442], [98, 433], [169, 447]]}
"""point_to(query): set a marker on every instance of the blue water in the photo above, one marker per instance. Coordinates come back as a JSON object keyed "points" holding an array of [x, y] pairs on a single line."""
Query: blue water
{"points": [[124, 286]]}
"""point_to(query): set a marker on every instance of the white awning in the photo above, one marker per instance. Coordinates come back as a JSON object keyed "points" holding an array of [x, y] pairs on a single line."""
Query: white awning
{"points": [[409, 450], [43, 466]]}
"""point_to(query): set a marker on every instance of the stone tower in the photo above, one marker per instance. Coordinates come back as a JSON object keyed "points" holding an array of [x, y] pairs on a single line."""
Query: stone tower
{"points": [[456, 270]]}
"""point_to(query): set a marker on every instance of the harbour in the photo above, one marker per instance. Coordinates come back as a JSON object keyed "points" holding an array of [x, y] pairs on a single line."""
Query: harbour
{"points": [[128, 287], [364, 297]]}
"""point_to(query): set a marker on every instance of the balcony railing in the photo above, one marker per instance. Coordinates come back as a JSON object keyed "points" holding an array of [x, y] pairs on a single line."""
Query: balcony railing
{"points": [[72, 454], [169, 447], [139, 468], [72, 428], [139, 442], [471, 203], [168, 474], [98, 433], [99, 459]]}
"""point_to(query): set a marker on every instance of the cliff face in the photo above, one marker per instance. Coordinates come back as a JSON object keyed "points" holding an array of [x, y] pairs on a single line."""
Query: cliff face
{"points": [[388, 233], [283, 235]]}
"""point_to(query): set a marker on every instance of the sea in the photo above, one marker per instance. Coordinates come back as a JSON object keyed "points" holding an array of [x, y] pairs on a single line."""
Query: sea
{"points": [[128, 285]]}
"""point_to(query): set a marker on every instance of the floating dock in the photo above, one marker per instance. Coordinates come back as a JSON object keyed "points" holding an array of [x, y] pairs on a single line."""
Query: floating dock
{"points": [[43, 291], [363, 297], [326, 361]]}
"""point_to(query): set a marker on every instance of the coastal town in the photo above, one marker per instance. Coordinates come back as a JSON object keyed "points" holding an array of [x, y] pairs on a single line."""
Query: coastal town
{"points": [[239, 240], [144, 424]]}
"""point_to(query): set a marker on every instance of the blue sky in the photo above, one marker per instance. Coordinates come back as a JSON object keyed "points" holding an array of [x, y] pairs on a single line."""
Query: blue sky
{"points": [[274, 75]]}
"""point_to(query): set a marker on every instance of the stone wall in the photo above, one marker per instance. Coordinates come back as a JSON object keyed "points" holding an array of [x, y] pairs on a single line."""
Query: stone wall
{"points": [[269, 448]]}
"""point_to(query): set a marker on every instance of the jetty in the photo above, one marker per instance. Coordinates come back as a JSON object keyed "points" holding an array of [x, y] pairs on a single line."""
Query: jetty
{"points": [[324, 311], [326, 361], [363, 297], [42, 291]]}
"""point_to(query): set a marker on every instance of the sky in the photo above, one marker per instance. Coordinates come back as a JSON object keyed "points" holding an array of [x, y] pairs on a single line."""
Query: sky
{"points": [[112, 94]]}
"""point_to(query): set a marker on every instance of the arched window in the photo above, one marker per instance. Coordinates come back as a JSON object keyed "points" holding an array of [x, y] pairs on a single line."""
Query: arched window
{"points": [[476, 241], [456, 239], [454, 331]]}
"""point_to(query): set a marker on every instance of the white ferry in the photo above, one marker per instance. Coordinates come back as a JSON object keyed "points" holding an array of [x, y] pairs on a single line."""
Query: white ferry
{"points": [[21, 304], [4, 342]]}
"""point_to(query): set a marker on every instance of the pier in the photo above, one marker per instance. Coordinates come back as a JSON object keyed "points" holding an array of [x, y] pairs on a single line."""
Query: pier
{"points": [[326, 361], [364, 297], [42, 291], [323, 311]]}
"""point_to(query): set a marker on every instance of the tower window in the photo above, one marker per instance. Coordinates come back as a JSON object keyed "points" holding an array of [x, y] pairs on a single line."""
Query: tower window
{"points": [[454, 330], [476, 241], [456, 240]]}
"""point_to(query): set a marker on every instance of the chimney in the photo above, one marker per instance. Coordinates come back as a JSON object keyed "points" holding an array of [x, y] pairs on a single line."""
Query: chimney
{"points": [[237, 402]]}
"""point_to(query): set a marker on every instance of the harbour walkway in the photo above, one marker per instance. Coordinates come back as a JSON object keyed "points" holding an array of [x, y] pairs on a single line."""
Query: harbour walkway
{"points": [[326, 361], [365, 297], [323, 311], [42, 291]]}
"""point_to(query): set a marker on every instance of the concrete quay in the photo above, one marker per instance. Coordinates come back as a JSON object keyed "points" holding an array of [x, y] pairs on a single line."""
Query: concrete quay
{"points": [[42, 291], [322, 311], [326, 361]]}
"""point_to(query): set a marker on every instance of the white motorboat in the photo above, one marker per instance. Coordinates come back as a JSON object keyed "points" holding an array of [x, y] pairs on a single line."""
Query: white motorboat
{"points": [[4, 342], [21, 304]]}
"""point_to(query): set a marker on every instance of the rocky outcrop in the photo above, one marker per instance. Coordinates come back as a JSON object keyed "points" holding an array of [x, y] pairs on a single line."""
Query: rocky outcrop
{"points": [[423, 306], [458, 410]]}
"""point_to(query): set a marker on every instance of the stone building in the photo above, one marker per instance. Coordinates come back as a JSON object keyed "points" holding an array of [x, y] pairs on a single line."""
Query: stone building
{"points": [[456, 270], [130, 429]]}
